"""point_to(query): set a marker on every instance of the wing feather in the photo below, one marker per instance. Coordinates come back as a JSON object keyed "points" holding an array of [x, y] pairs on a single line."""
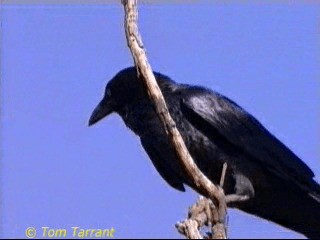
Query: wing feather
{"points": [[209, 111]]}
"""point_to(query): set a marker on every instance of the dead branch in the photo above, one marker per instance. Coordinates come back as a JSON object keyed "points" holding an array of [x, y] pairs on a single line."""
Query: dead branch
{"points": [[202, 183], [204, 213], [200, 214]]}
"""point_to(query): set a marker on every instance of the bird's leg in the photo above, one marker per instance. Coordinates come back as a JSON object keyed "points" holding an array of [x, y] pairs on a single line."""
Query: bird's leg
{"points": [[243, 190], [232, 198]]}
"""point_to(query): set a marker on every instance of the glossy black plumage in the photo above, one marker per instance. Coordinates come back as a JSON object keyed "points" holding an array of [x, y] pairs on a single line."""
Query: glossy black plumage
{"points": [[278, 185]]}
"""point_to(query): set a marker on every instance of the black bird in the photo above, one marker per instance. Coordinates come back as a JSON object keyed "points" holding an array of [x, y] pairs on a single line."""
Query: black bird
{"points": [[264, 177]]}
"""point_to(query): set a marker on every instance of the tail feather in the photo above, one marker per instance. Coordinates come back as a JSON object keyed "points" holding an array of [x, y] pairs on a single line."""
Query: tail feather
{"points": [[288, 206]]}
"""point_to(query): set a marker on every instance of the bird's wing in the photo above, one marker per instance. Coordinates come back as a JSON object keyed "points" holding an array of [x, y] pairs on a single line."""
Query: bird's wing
{"points": [[164, 170], [216, 115]]}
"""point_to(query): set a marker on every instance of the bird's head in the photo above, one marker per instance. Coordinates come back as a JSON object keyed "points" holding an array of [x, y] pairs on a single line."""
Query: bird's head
{"points": [[122, 90], [126, 89]]}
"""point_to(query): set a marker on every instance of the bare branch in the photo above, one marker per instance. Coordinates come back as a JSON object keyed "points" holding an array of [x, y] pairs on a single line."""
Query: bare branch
{"points": [[223, 174], [200, 215], [204, 213], [190, 228], [134, 41]]}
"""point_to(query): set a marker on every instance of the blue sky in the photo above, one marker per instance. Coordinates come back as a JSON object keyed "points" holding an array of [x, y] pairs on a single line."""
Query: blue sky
{"points": [[55, 62]]}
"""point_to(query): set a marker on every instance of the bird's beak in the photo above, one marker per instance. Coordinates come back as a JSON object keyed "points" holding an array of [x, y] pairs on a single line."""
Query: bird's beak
{"points": [[103, 109]]}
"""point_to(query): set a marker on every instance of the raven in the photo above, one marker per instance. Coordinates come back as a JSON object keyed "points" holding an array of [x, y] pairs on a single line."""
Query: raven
{"points": [[264, 177]]}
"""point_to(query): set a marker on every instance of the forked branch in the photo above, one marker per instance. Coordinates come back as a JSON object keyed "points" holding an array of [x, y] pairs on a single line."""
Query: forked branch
{"points": [[202, 183]]}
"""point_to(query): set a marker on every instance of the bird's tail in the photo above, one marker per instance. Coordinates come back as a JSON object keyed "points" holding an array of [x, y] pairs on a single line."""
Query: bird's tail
{"points": [[290, 207]]}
